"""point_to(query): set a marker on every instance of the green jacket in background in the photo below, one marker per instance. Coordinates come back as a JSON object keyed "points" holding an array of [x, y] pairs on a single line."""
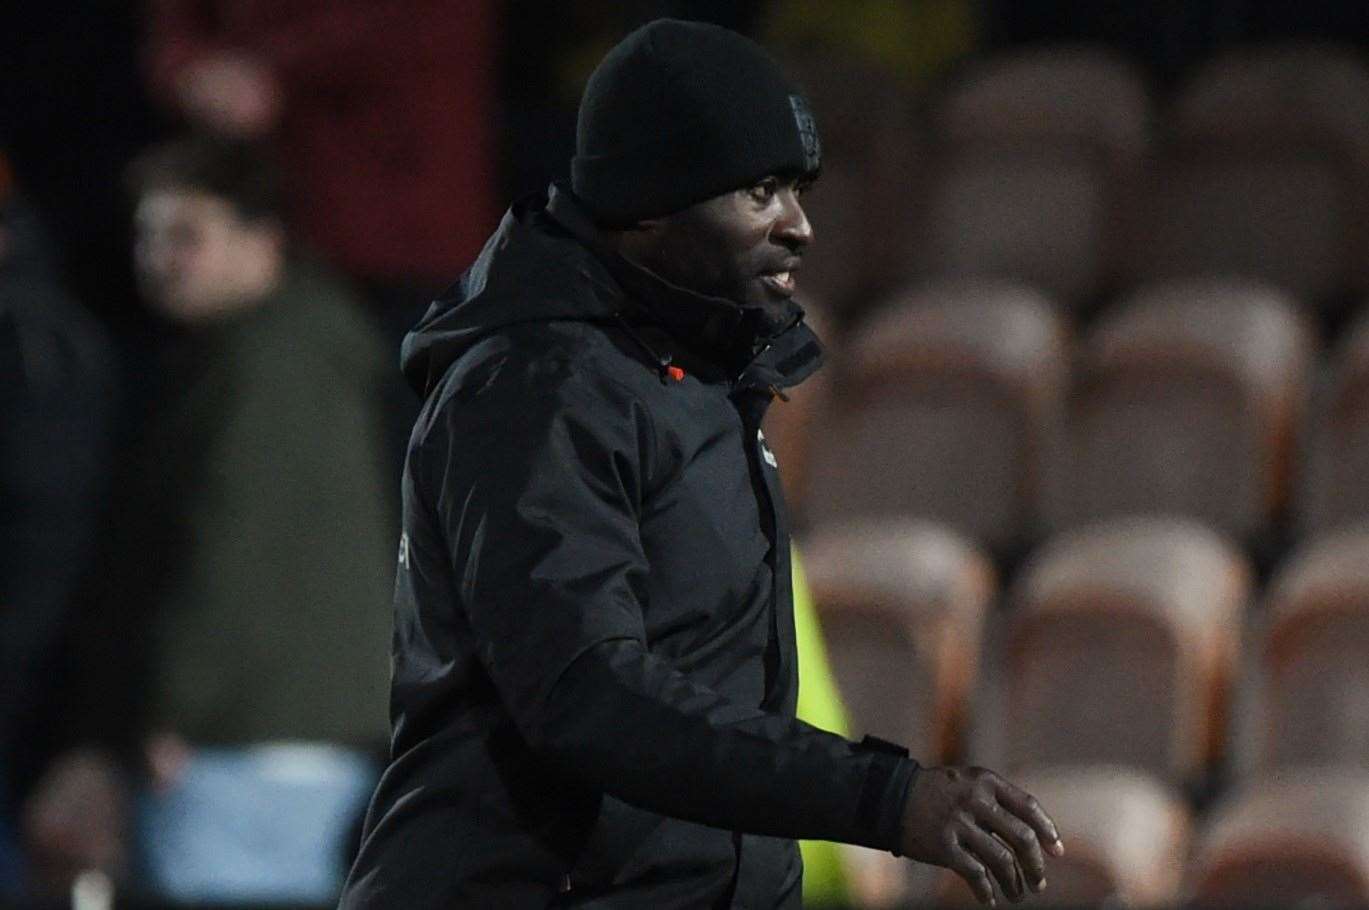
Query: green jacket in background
{"points": [[277, 623], [250, 565]]}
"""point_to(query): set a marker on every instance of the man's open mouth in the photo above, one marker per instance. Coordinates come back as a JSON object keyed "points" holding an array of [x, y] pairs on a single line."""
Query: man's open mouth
{"points": [[781, 283]]}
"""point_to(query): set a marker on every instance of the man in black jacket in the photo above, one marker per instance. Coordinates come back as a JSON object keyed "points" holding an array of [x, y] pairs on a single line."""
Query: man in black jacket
{"points": [[594, 683]]}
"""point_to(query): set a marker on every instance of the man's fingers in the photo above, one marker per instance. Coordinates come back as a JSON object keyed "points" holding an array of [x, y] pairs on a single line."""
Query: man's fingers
{"points": [[1019, 837], [994, 854], [1025, 807], [972, 870]]}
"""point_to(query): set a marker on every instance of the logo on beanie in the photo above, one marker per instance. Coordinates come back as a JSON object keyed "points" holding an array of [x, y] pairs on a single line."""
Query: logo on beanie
{"points": [[808, 132]]}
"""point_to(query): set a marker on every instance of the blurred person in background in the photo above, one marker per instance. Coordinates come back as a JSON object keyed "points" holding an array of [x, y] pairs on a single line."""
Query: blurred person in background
{"points": [[58, 406], [229, 681], [384, 115], [595, 674]]}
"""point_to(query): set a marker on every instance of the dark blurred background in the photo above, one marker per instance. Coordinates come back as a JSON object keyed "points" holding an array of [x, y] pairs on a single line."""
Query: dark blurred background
{"points": [[1082, 485]]}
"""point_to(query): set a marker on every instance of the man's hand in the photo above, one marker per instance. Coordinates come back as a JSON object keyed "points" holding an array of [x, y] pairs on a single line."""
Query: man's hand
{"points": [[982, 828]]}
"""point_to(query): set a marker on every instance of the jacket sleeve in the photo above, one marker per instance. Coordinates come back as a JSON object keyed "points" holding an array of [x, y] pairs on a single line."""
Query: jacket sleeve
{"points": [[539, 486]]}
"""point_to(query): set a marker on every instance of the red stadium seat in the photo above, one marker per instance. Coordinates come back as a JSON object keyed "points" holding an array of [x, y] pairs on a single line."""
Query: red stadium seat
{"points": [[1037, 151], [1315, 692], [1127, 840], [1333, 491], [1079, 95], [945, 406], [902, 608], [1264, 173], [1121, 649], [1301, 839], [1188, 401]]}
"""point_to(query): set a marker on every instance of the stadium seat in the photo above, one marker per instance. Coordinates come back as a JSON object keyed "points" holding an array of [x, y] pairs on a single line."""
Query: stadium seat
{"points": [[1120, 649], [945, 406], [1188, 399], [1036, 152], [902, 606], [1065, 94], [1315, 684], [1333, 492], [1300, 839], [1262, 173], [1127, 840]]}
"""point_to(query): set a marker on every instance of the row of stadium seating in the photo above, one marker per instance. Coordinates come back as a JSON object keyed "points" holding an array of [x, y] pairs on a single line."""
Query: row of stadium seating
{"points": [[1081, 491], [1133, 663], [1296, 840], [970, 403], [1060, 167], [1145, 627]]}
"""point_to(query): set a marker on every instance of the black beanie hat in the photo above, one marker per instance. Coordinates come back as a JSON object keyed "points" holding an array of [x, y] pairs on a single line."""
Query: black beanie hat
{"points": [[679, 112]]}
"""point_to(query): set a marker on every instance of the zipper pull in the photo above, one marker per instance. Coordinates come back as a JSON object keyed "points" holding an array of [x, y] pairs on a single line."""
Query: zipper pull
{"points": [[663, 361]]}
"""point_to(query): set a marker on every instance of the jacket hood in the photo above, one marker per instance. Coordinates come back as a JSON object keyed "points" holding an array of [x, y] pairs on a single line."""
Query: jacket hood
{"points": [[531, 270]]}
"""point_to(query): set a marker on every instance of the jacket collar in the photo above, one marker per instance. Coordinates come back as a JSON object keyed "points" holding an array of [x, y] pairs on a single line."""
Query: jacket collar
{"points": [[735, 338]]}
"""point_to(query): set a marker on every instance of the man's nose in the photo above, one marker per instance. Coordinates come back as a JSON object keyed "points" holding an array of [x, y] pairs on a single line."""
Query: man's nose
{"points": [[792, 228]]}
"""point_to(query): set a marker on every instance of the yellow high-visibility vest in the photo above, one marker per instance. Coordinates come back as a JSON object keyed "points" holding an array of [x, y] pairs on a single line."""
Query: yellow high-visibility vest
{"points": [[824, 877]]}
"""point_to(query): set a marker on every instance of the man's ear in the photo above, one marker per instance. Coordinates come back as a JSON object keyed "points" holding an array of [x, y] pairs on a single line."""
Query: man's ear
{"points": [[637, 241]]}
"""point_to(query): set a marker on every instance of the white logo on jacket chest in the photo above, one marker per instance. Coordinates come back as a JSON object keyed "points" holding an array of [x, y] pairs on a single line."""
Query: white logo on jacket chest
{"points": [[768, 455]]}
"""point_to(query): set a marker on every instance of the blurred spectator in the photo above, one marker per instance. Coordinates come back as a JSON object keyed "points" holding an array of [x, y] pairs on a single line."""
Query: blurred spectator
{"points": [[57, 403], [383, 111], [233, 666]]}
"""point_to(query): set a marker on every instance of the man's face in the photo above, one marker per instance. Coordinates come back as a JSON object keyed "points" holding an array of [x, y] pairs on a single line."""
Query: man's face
{"points": [[745, 246], [197, 259]]}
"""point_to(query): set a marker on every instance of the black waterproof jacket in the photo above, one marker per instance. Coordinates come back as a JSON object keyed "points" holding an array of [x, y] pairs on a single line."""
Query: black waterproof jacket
{"points": [[594, 663]]}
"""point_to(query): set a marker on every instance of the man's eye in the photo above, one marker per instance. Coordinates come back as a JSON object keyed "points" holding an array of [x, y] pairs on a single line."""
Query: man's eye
{"points": [[763, 191]]}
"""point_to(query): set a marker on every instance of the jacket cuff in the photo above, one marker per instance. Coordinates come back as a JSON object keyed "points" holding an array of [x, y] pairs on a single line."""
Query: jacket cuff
{"points": [[887, 780]]}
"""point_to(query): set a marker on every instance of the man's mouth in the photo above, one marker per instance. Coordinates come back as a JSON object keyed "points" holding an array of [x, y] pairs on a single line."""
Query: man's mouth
{"points": [[779, 283]]}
